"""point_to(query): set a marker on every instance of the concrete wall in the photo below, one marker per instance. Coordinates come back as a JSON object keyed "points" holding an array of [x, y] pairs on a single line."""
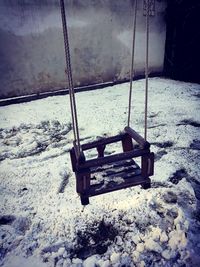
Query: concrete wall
{"points": [[32, 51]]}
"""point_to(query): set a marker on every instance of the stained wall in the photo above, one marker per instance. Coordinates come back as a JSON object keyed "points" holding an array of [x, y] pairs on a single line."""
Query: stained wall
{"points": [[100, 31]]}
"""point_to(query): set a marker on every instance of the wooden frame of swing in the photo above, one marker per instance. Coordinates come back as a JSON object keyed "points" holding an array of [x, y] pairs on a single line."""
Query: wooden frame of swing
{"points": [[83, 167]]}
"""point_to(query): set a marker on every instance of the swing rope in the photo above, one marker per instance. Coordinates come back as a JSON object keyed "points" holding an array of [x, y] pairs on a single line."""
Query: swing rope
{"points": [[132, 63], [146, 66], [70, 78], [146, 69]]}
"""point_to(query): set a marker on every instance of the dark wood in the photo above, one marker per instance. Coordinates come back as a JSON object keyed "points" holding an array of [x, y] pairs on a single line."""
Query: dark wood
{"points": [[81, 158], [103, 141], [100, 150], [115, 167], [129, 182], [114, 172], [144, 167], [111, 172], [127, 143], [151, 166], [115, 176], [146, 185], [73, 159], [82, 181], [112, 158], [147, 165], [138, 138], [84, 199], [75, 149]]}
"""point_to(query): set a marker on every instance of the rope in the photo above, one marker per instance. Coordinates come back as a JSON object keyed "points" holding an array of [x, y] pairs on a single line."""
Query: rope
{"points": [[146, 69], [132, 62], [70, 78]]}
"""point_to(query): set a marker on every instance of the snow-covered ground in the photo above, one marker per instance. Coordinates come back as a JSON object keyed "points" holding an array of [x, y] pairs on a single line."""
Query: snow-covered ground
{"points": [[42, 222]]}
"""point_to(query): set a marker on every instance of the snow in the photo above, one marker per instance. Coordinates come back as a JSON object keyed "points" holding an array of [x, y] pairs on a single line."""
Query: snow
{"points": [[24, 262], [42, 222]]}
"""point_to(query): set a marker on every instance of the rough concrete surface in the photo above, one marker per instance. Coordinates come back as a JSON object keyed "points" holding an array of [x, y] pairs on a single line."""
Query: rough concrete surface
{"points": [[32, 51]]}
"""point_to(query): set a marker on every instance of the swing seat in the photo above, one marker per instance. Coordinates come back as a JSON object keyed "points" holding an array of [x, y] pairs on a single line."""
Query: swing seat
{"points": [[114, 172]]}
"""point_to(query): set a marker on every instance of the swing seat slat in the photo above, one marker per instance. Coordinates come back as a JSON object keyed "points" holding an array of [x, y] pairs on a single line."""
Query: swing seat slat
{"points": [[112, 177]]}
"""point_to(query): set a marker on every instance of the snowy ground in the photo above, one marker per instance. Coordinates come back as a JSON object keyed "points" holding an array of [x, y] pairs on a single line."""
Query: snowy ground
{"points": [[42, 222]]}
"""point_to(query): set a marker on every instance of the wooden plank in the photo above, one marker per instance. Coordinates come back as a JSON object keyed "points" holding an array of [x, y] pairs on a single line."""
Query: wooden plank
{"points": [[115, 175], [83, 181], [133, 181], [123, 168], [113, 165], [138, 138], [127, 143], [148, 164], [124, 174], [100, 150], [73, 159], [114, 178], [112, 158], [75, 149], [103, 141], [117, 171]]}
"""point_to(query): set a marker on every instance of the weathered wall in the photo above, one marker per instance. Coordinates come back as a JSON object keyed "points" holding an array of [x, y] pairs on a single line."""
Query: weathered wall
{"points": [[31, 43]]}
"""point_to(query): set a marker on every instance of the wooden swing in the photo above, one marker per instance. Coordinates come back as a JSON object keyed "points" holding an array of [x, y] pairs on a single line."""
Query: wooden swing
{"points": [[114, 172]]}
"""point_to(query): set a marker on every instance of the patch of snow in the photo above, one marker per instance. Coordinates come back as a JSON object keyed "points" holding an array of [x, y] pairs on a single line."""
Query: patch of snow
{"points": [[91, 261], [19, 261], [42, 222]]}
